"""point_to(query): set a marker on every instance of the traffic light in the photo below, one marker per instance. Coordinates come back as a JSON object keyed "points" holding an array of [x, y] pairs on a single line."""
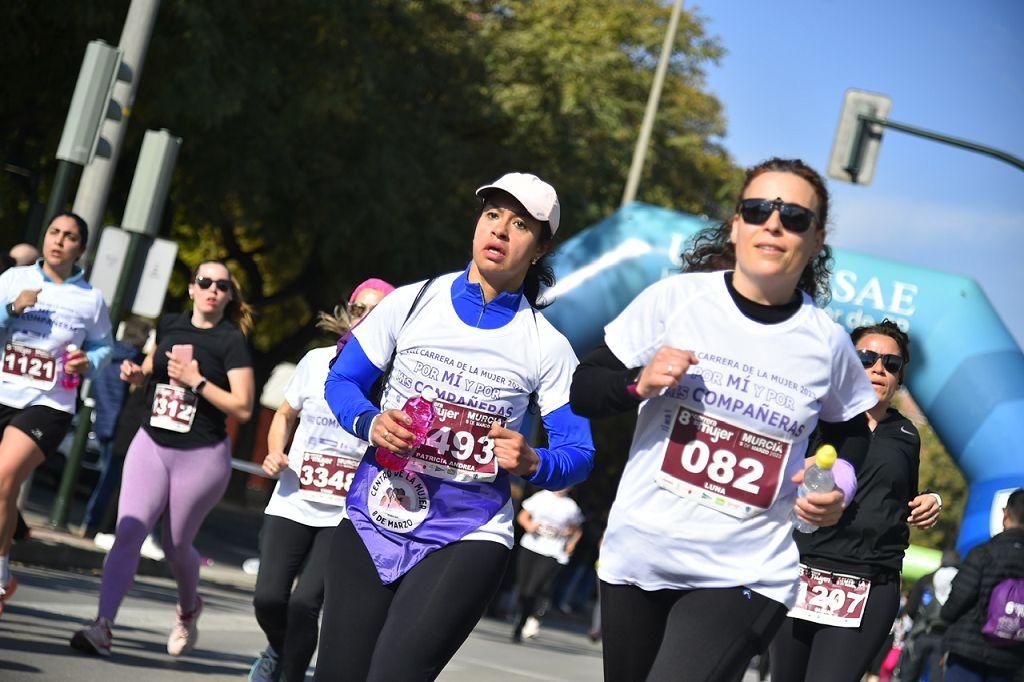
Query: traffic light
{"points": [[151, 182], [857, 142], [89, 103]]}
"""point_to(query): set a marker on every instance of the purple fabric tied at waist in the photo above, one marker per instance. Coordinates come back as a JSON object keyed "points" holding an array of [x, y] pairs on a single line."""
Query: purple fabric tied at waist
{"points": [[404, 516]]}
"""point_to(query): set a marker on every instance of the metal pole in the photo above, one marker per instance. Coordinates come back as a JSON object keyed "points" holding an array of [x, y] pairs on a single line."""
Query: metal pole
{"points": [[66, 491], [946, 139], [642, 142], [59, 195], [94, 189]]}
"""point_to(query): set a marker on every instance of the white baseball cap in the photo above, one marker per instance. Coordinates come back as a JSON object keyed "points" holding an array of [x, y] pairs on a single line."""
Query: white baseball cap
{"points": [[536, 196]]}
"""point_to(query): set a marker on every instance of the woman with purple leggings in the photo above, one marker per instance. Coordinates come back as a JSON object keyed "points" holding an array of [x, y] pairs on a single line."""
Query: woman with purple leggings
{"points": [[180, 460]]}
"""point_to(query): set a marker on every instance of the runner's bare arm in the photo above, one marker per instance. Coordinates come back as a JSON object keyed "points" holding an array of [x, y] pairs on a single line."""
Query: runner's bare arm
{"points": [[281, 428]]}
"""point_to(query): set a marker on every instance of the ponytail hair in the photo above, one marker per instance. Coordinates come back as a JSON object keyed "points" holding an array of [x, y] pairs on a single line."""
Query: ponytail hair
{"points": [[237, 310], [539, 273]]}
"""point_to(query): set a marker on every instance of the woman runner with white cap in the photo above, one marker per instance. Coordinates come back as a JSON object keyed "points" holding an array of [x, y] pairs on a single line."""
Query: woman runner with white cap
{"points": [[423, 549]]}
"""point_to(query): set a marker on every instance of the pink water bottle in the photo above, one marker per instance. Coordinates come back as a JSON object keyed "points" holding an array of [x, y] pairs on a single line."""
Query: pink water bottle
{"points": [[421, 409], [68, 380]]}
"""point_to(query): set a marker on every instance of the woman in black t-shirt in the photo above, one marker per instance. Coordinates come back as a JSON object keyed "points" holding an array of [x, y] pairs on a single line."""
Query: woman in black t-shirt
{"points": [[851, 571], [179, 462]]}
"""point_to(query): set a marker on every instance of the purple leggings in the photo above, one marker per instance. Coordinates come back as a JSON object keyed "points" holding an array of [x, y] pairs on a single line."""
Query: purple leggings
{"points": [[181, 485]]}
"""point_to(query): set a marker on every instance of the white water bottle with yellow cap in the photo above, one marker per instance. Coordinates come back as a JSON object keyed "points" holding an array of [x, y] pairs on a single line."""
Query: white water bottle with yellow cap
{"points": [[817, 479]]}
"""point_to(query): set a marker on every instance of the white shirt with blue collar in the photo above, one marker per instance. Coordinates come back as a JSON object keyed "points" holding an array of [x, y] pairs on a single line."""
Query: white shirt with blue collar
{"points": [[70, 312]]}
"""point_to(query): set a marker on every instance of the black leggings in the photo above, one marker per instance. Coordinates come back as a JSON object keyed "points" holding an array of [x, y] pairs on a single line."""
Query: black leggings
{"points": [[803, 650], [410, 629], [536, 573], [705, 635], [290, 618]]}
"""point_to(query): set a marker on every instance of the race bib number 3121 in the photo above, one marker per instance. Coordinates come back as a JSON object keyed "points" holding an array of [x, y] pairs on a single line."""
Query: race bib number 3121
{"points": [[721, 465], [174, 408]]}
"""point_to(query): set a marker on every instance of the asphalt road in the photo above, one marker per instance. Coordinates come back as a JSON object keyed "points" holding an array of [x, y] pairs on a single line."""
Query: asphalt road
{"points": [[50, 604]]}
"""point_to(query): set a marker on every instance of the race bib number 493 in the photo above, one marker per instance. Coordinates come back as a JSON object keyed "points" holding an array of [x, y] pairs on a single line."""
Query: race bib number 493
{"points": [[721, 465], [830, 598], [457, 446], [28, 366]]}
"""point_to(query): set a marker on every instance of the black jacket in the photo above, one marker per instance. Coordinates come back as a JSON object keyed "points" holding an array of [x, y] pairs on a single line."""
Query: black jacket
{"points": [[873, 534], [966, 609]]}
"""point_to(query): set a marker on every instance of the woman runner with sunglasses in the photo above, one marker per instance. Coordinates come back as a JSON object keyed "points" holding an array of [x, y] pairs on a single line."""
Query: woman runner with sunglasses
{"points": [[861, 556], [179, 462], [45, 308], [731, 371], [314, 476], [423, 549]]}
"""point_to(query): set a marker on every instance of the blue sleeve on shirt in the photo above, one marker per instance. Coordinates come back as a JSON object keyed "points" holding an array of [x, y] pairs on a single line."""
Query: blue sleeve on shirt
{"points": [[98, 351], [569, 456], [348, 383]]}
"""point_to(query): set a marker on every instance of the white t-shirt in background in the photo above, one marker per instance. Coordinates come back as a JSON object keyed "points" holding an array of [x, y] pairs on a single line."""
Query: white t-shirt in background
{"points": [[559, 516], [318, 432]]}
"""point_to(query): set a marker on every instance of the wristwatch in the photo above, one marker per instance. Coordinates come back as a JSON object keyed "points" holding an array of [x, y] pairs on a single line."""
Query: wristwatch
{"points": [[198, 388], [11, 312]]}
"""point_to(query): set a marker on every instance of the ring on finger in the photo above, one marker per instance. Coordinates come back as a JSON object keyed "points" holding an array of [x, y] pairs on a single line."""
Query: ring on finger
{"points": [[669, 368]]}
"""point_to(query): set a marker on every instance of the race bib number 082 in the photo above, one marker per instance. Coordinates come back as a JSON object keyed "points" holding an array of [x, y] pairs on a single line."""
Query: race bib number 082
{"points": [[721, 465], [457, 446]]}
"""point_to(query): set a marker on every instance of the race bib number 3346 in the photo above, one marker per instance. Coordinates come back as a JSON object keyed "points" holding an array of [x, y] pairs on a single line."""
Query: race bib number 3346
{"points": [[721, 465]]}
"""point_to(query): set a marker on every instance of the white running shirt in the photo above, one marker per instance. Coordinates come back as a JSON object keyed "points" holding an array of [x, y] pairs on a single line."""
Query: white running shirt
{"points": [[775, 380], [69, 313], [318, 433], [558, 516]]}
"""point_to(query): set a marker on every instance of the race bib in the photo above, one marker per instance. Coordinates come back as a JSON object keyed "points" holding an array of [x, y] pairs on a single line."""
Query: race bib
{"points": [[174, 408], [721, 465], [325, 478], [457, 447], [830, 598], [28, 366]]}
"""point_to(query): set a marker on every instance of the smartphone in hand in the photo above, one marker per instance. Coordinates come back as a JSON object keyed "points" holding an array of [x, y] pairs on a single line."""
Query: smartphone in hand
{"points": [[182, 352]]}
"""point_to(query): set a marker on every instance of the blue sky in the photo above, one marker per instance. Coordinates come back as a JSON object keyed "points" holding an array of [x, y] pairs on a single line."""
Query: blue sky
{"points": [[952, 67]]}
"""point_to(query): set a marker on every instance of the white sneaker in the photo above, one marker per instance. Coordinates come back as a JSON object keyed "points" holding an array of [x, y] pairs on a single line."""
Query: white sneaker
{"points": [[185, 632], [267, 667], [251, 566], [531, 627], [104, 540], [151, 550], [95, 639]]}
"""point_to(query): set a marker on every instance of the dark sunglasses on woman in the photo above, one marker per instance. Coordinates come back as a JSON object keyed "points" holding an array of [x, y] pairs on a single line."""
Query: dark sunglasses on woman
{"points": [[890, 361], [794, 217], [204, 283]]}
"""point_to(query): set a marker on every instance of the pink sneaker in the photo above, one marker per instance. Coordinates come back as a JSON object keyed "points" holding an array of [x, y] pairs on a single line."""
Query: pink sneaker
{"points": [[185, 634], [7, 591], [95, 639]]}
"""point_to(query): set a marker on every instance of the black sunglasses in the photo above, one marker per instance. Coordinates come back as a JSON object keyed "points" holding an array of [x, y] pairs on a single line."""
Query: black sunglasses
{"points": [[358, 309], [893, 363], [795, 217], [204, 283]]}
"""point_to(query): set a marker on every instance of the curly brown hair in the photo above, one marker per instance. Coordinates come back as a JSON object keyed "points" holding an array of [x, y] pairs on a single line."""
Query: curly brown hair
{"points": [[711, 249]]}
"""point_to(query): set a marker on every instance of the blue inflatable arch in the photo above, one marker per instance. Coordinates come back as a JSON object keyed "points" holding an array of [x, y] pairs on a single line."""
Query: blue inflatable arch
{"points": [[967, 373]]}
